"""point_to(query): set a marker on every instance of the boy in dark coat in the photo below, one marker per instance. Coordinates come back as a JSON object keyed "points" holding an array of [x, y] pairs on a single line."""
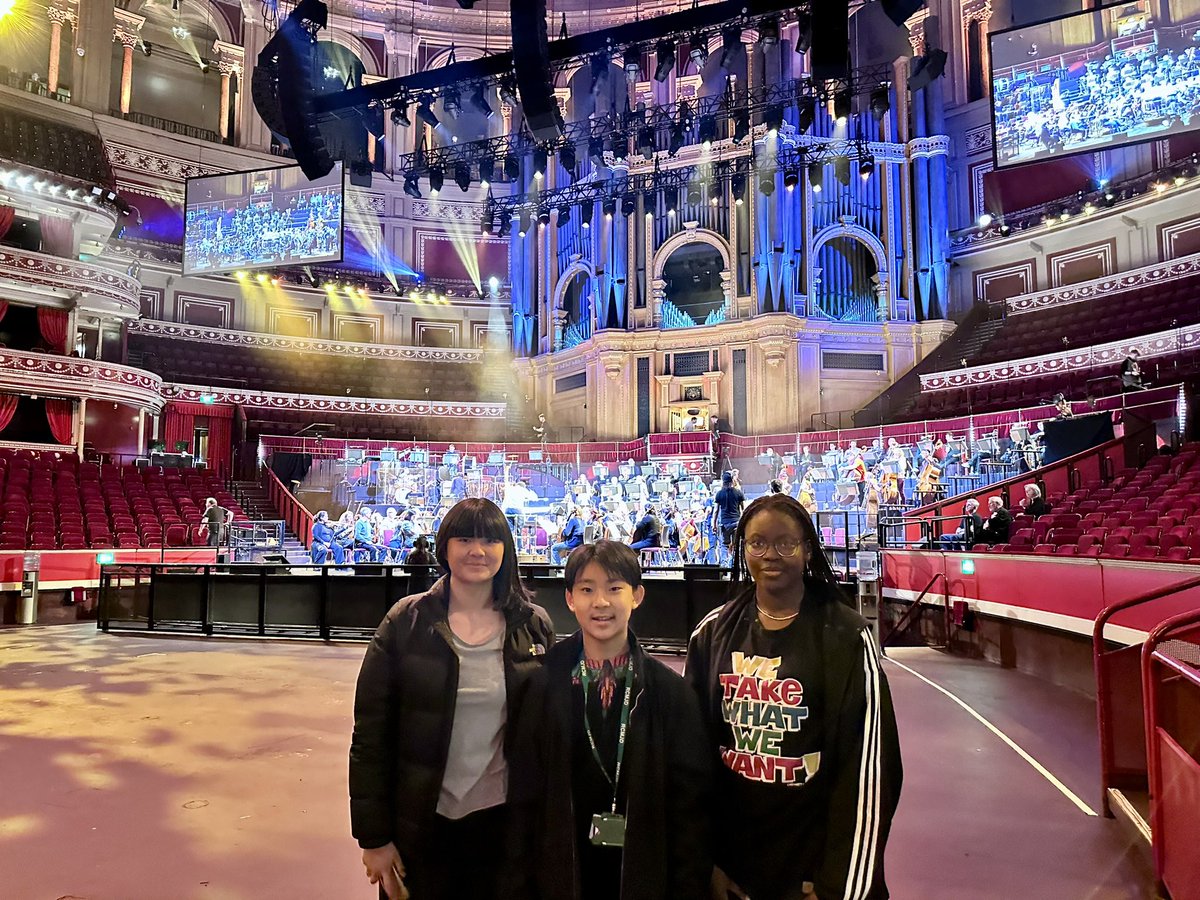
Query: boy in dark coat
{"points": [[595, 817]]}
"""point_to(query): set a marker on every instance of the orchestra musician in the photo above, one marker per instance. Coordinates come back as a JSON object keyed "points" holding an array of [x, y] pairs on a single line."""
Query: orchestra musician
{"points": [[929, 479], [806, 495], [324, 542], [1063, 406], [856, 470]]}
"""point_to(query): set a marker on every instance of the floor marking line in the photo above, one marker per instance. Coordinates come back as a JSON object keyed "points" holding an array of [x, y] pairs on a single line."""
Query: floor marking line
{"points": [[1020, 751]]}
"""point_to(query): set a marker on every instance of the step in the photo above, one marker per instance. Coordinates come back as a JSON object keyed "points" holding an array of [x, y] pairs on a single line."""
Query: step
{"points": [[1132, 809]]}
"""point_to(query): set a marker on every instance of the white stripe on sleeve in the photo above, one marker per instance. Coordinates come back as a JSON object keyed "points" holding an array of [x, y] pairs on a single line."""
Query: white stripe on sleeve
{"points": [[861, 870]]}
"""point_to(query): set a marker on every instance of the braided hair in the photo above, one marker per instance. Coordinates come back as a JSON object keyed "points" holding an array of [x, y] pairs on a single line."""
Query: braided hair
{"points": [[818, 575]]}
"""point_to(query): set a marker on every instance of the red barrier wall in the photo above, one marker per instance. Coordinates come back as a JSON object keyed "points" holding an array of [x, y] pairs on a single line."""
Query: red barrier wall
{"points": [[62, 569]]}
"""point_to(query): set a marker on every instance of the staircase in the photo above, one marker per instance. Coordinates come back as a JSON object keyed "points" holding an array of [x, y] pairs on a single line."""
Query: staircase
{"points": [[257, 505]]}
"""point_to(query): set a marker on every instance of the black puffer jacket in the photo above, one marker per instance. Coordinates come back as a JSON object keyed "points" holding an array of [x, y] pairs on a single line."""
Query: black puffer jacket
{"points": [[404, 712]]}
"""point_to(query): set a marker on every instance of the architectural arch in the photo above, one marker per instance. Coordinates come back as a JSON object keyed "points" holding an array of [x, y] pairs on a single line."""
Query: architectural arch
{"points": [[691, 236], [558, 313], [355, 45], [845, 229]]}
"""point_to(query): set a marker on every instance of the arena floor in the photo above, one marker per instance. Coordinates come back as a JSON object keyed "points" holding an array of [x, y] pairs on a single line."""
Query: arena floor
{"points": [[146, 768]]}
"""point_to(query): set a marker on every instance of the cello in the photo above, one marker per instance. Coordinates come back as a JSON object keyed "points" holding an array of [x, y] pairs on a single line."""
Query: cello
{"points": [[929, 481]]}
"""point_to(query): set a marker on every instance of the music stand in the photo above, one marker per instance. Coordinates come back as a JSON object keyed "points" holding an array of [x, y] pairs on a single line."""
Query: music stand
{"points": [[649, 470], [496, 458], [599, 471], [625, 470], [387, 454], [662, 486], [535, 455], [636, 490]]}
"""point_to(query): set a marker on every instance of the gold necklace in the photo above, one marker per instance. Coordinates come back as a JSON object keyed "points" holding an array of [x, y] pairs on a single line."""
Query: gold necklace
{"points": [[775, 618]]}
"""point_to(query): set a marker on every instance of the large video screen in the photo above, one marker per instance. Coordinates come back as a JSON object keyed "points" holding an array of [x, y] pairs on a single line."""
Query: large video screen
{"points": [[1095, 80], [262, 219]]}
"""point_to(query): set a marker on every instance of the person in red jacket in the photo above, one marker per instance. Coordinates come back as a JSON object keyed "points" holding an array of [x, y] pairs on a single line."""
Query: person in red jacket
{"points": [[799, 714]]}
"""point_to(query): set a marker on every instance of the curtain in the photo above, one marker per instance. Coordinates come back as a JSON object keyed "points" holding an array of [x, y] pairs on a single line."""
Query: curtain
{"points": [[7, 214], [220, 448], [179, 424], [53, 325], [61, 416], [289, 467], [8, 409], [58, 238], [3, 303]]}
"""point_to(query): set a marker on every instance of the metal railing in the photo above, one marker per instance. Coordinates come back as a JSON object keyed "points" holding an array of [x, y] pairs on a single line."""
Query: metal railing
{"points": [[160, 124], [913, 611], [249, 539], [299, 520]]}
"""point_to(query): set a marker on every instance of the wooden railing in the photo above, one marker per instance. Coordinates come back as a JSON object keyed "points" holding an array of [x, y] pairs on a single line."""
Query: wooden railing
{"points": [[291, 510]]}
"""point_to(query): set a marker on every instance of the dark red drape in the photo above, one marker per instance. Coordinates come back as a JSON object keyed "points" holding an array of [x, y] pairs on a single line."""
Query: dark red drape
{"points": [[53, 325], [8, 409], [7, 214], [3, 309], [57, 236], [220, 448], [61, 416], [178, 425]]}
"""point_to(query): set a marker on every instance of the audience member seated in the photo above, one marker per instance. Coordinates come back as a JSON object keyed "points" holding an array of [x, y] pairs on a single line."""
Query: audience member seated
{"points": [[1034, 503], [968, 532], [995, 529]]}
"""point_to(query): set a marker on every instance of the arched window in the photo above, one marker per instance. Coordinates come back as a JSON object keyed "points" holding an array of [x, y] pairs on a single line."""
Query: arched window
{"points": [[693, 292], [577, 305]]}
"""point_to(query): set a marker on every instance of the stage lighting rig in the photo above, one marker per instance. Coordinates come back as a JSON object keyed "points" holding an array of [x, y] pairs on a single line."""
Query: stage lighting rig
{"points": [[773, 118], [866, 164], [842, 105], [544, 215], [707, 131], [540, 160], [699, 50], [645, 142], [567, 159], [804, 32], [585, 215], [629, 204], [675, 144], [766, 182], [608, 206], [480, 101], [512, 168], [731, 44], [599, 65], [508, 90], [649, 203], [596, 150], [633, 64], [487, 170], [462, 176], [525, 223], [425, 114], [768, 31], [741, 127], [880, 104], [451, 103], [737, 187], [806, 113], [437, 177], [926, 68], [564, 215], [664, 52], [791, 178], [816, 175], [411, 185]]}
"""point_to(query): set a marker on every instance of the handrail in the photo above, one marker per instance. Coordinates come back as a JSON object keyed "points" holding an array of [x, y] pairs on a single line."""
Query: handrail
{"points": [[1159, 799], [912, 611], [297, 516], [1103, 682]]}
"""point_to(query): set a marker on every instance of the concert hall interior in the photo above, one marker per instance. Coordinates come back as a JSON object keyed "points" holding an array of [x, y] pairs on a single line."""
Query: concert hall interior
{"points": [[281, 283]]}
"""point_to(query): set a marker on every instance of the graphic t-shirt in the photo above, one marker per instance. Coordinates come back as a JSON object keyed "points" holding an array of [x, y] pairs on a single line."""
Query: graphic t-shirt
{"points": [[773, 706]]}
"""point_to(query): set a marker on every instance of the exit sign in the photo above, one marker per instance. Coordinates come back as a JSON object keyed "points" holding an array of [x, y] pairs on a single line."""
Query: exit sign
{"points": [[968, 567], [105, 558]]}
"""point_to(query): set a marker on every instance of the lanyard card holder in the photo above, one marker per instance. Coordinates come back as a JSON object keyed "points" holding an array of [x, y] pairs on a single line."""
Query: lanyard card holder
{"points": [[608, 830]]}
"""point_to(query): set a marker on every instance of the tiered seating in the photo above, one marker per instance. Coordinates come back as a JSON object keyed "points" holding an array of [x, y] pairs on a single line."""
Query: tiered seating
{"points": [[192, 362], [1109, 317], [53, 502], [1151, 513]]}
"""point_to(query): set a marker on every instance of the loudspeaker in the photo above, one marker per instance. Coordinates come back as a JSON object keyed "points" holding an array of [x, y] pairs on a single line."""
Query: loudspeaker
{"points": [[830, 51], [531, 62], [295, 90]]}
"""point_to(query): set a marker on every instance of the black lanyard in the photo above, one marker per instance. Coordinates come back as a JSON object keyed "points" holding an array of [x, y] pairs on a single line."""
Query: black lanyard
{"points": [[615, 778]]}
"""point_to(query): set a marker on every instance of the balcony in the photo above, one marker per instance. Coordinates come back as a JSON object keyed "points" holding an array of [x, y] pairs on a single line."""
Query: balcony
{"points": [[99, 289], [68, 376], [160, 124]]}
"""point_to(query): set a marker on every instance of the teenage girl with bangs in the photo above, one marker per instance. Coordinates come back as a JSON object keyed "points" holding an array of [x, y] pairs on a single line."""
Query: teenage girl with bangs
{"points": [[440, 684], [798, 710]]}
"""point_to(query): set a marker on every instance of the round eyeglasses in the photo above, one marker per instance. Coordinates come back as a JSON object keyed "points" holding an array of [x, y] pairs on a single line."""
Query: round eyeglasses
{"points": [[785, 547]]}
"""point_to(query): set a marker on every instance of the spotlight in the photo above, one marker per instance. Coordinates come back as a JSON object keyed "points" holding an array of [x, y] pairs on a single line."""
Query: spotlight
{"points": [[596, 151], [487, 170], [842, 105], [671, 201], [731, 43], [539, 162], [665, 54], [926, 69], [806, 113], [648, 203], [1005, 230], [633, 64], [487, 222], [410, 185], [395, 116], [462, 176], [880, 104], [768, 31], [526, 221], [609, 207], [566, 157], [773, 116], [480, 102], [451, 103], [803, 32], [645, 141], [629, 204], [791, 178], [620, 146], [400, 114], [599, 73], [766, 182], [866, 166], [708, 130], [676, 142], [737, 186], [564, 214], [699, 51], [505, 225], [984, 220], [694, 195], [512, 168], [741, 127], [544, 215], [426, 115], [585, 214], [508, 90], [437, 177], [1109, 199], [841, 169]]}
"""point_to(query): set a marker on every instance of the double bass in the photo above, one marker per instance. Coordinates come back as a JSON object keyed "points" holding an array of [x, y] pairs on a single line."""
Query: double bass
{"points": [[929, 481]]}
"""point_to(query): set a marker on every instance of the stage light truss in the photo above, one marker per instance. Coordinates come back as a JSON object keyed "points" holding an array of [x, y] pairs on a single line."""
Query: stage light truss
{"points": [[661, 120], [496, 70], [789, 157]]}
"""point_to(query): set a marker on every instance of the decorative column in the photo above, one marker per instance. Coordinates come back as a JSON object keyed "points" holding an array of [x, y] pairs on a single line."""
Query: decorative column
{"points": [[658, 293], [126, 31], [58, 17], [82, 408], [230, 60], [252, 132], [91, 63]]}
